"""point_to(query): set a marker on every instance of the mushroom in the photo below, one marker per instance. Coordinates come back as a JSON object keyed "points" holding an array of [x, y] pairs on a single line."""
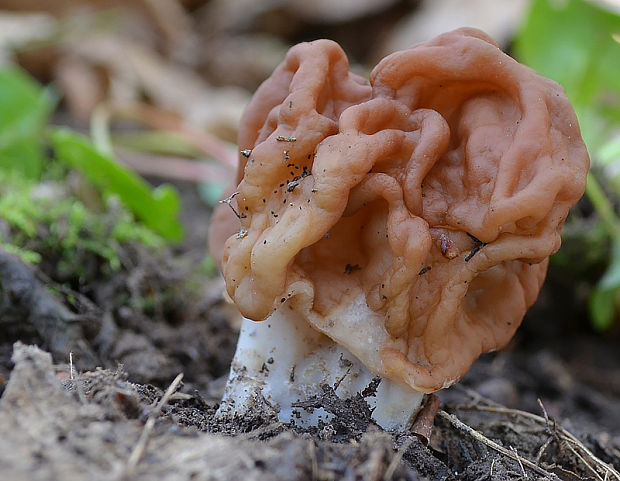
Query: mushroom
{"points": [[395, 228]]}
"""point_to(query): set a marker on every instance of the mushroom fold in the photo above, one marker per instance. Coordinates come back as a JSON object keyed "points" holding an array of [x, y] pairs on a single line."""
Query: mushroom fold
{"points": [[409, 218]]}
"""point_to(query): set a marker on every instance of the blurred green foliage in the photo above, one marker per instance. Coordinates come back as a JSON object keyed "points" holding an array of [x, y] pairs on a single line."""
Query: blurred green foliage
{"points": [[577, 43], [39, 212], [45, 220], [157, 208], [24, 115]]}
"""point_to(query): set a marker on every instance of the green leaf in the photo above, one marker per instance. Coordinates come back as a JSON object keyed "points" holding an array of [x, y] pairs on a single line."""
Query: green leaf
{"points": [[26, 108], [609, 160], [24, 157], [157, 208], [609, 153], [572, 42], [602, 307], [611, 278], [604, 297]]}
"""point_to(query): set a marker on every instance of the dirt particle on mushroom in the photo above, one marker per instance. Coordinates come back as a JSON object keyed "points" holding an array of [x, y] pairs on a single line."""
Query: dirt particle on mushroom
{"points": [[425, 270], [478, 244], [448, 249], [228, 201], [351, 268], [291, 186]]}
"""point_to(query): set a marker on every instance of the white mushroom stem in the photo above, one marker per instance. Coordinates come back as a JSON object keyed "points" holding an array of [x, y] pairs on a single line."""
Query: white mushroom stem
{"points": [[283, 360]]}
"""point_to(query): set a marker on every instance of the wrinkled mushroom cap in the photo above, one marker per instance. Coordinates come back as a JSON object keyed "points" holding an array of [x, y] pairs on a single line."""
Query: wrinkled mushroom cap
{"points": [[409, 218]]}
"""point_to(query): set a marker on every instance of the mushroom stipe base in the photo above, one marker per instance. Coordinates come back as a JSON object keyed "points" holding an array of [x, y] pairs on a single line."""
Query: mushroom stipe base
{"points": [[281, 361]]}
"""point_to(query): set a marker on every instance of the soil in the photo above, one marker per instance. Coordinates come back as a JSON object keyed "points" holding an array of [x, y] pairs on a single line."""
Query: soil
{"points": [[90, 401]]}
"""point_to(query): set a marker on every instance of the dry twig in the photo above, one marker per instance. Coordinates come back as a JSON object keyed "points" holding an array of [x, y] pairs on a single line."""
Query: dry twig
{"points": [[594, 464], [516, 453], [423, 424], [461, 426], [255, 433], [315, 463], [389, 472], [140, 446], [71, 368]]}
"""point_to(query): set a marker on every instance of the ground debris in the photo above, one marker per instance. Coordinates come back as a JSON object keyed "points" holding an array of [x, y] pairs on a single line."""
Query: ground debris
{"points": [[69, 429], [73, 439], [423, 424], [535, 445], [87, 426], [510, 453], [351, 416], [29, 310]]}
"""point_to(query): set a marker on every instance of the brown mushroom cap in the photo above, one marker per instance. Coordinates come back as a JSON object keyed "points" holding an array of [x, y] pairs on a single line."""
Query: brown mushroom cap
{"points": [[409, 218]]}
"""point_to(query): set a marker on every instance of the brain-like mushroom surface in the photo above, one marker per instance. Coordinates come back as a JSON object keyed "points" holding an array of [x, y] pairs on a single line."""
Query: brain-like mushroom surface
{"points": [[409, 217]]}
